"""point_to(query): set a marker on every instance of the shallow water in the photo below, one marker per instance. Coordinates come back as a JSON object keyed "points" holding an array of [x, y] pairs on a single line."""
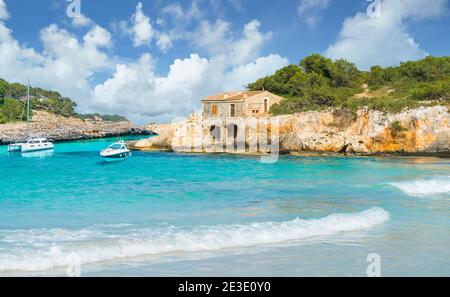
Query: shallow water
{"points": [[160, 214]]}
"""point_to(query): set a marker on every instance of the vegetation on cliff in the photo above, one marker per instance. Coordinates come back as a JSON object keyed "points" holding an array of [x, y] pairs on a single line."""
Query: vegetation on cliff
{"points": [[13, 102], [320, 83], [108, 118]]}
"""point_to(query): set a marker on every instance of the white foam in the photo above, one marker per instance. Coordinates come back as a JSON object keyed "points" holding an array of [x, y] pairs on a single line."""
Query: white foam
{"points": [[91, 246], [425, 186]]}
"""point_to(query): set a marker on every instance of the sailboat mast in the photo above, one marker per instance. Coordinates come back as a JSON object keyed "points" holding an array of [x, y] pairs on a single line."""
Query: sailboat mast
{"points": [[28, 109], [28, 102]]}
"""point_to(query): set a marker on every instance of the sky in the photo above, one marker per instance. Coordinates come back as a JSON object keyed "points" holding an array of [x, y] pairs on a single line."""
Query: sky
{"points": [[153, 60]]}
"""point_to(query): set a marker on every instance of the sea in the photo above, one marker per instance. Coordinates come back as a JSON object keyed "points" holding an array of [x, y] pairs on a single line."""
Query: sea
{"points": [[68, 213]]}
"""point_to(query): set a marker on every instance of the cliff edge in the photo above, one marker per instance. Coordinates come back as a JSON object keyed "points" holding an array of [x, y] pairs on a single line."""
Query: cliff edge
{"points": [[420, 131], [61, 128]]}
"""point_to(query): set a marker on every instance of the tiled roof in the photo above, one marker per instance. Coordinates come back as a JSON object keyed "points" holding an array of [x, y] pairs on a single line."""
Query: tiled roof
{"points": [[220, 96], [232, 96]]}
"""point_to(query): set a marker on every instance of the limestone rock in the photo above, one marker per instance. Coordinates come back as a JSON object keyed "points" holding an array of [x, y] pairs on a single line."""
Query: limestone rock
{"points": [[422, 130], [59, 128], [162, 141]]}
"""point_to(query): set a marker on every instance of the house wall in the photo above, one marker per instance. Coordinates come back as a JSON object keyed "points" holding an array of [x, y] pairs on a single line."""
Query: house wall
{"points": [[244, 108], [257, 103], [224, 109]]}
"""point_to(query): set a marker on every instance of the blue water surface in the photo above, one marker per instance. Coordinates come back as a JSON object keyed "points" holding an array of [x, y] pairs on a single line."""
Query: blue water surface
{"points": [[167, 214]]}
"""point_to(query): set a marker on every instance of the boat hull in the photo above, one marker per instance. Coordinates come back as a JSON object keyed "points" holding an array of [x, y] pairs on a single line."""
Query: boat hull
{"points": [[117, 157], [16, 147], [37, 148]]}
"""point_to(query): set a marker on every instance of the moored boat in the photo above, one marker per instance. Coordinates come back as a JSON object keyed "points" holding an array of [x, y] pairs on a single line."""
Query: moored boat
{"points": [[116, 152], [32, 144], [36, 144]]}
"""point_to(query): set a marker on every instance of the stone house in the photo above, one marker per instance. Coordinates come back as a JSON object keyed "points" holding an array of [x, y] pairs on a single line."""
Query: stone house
{"points": [[225, 114], [239, 104]]}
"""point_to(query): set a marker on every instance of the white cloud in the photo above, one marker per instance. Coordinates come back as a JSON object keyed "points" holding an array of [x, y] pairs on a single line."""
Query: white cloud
{"points": [[160, 21], [140, 29], [311, 11], [217, 40], [135, 89], [244, 74], [164, 42], [4, 15], [237, 4], [81, 21], [213, 37], [384, 40], [180, 14], [98, 37], [249, 46], [142, 32], [65, 64], [177, 18]]}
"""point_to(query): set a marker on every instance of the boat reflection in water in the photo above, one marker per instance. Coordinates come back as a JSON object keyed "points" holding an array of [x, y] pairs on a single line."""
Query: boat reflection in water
{"points": [[38, 154]]}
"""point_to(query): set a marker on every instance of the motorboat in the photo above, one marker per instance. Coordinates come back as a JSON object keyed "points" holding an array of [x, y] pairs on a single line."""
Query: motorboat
{"points": [[37, 144], [116, 152]]}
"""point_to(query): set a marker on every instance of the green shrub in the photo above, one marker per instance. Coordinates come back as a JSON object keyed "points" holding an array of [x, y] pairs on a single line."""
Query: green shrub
{"points": [[439, 90], [319, 83], [397, 129], [11, 110]]}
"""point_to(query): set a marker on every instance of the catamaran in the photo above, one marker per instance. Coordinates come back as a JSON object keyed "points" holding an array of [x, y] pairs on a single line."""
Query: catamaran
{"points": [[32, 144], [37, 144]]}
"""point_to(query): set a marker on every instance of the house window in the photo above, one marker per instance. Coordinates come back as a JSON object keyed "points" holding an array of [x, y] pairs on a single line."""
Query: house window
{"points": [[232, 110], [266, 105], [214, 110]]}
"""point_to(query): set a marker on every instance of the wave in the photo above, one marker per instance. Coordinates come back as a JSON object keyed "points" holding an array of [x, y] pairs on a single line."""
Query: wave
{"points": [[425, 186], [46, 249]]}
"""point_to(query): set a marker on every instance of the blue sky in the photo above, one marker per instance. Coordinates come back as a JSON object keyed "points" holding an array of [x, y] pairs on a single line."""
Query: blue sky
{"points": [[153, 60]]}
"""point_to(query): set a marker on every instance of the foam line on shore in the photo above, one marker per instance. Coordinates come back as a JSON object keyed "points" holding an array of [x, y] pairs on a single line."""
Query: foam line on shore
{"points": [[46, 249], [425, 186]]}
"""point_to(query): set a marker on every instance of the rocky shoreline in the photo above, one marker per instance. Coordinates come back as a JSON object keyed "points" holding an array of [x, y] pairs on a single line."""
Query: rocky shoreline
{"points": [[62, 129], [422, 131], [418, 132]]}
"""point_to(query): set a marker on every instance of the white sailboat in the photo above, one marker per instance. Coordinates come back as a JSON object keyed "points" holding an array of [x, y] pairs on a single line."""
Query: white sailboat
{"points": [[32, 144], [37, 144]]}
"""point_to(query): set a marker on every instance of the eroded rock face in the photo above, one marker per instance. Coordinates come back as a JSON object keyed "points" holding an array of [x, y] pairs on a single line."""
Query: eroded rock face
{"points": [[423, 130], [162, 141], [59, 128]]}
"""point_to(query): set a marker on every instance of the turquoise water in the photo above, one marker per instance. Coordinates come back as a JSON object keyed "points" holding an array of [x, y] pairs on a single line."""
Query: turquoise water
{"points": [[163, 214]]}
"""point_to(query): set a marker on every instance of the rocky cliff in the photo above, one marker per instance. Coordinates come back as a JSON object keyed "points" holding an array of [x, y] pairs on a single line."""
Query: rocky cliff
{"points": [[59, 128], [421, 131], [162, 142], [417, 131]]}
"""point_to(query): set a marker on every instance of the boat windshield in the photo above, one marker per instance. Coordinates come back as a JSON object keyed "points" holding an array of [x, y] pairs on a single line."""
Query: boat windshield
{"points": [[116, 146], [37, 140]]}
